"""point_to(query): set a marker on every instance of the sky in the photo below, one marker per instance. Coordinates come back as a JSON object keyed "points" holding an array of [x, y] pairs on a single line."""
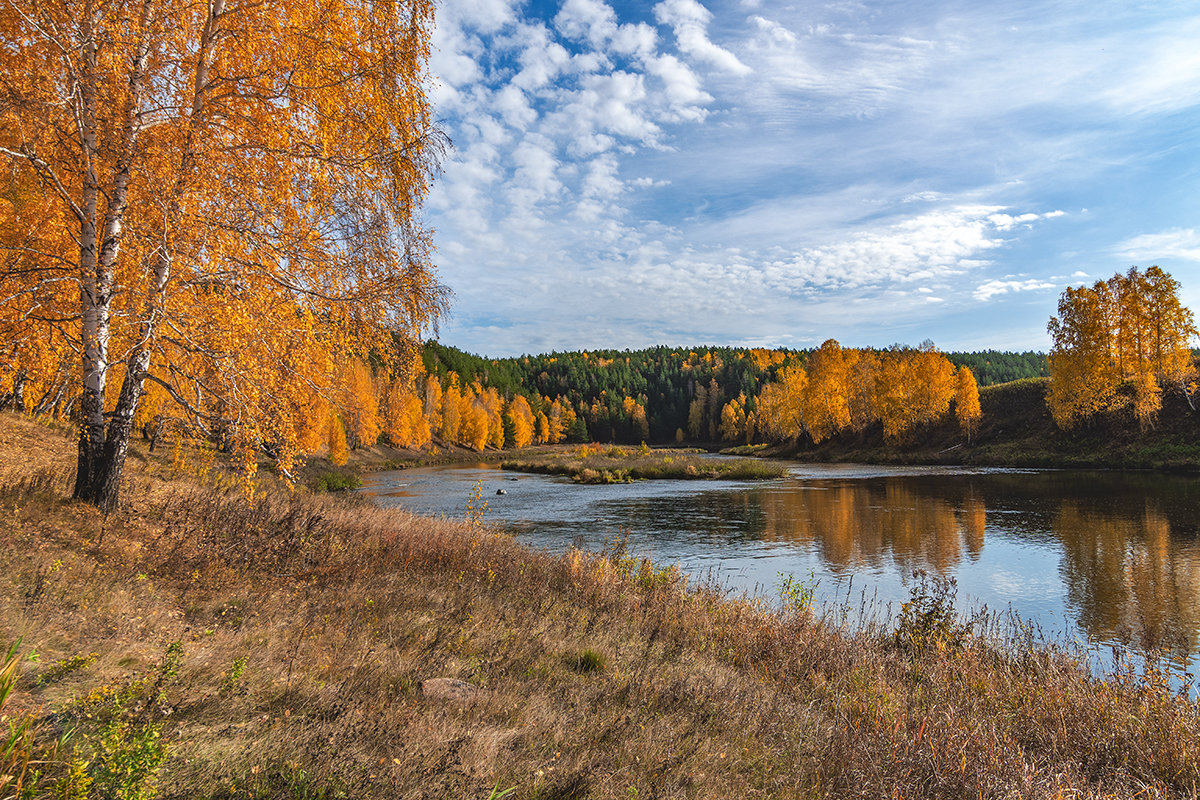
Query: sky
{"points": [[759, 173]]}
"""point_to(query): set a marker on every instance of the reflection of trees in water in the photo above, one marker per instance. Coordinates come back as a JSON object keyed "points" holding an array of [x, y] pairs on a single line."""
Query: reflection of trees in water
{"points": [[860, 524], [1129, 579], [1131, 552], [1126, 574]]}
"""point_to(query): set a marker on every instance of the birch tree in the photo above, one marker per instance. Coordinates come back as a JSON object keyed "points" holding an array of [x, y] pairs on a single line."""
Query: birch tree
{"points": [[237, 188], [1131, 328]]}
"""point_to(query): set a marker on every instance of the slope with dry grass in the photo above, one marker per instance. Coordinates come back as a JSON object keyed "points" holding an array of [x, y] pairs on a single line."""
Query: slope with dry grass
{"points": [[331, 649]]}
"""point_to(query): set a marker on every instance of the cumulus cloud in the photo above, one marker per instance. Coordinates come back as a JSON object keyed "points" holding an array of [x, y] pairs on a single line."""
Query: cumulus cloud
{"points": [[596, 23], [771, 172]]}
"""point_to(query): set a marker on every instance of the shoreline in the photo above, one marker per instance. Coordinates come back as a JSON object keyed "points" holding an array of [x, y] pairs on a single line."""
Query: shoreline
{"points": [[307, 645]]}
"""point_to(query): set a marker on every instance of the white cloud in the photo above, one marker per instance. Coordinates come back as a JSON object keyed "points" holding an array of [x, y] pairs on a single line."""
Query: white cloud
{"points": [[484, 16], [514, 106], [683, 93], [596, 23], [832, 70], [830, 166], [542, 60], [1150, 248], [1006, 222], [989, 289], [689, 20]]}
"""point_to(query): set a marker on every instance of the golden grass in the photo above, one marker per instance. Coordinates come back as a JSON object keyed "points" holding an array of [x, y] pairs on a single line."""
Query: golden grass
{"points": [[597, 463], [339, 611]]}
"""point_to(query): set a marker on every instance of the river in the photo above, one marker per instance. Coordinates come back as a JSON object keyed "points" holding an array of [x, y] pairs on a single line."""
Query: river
{"points": [[1096, 558]]}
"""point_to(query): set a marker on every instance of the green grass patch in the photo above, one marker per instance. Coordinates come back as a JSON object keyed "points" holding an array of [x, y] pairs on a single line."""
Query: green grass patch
{"points": [[335, 482]]}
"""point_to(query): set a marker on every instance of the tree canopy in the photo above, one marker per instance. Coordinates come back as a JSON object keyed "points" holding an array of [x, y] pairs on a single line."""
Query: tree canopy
{"points": [[223, 200], [1130, 329]]}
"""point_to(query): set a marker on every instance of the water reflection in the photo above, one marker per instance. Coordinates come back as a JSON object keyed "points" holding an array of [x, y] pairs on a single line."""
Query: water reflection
{"points": [[1114, 555], [1129, 577], [864, 525]]}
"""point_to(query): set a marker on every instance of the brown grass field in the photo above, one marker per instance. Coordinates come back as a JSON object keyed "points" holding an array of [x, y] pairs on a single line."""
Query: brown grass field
{"points": [[331, 649]]}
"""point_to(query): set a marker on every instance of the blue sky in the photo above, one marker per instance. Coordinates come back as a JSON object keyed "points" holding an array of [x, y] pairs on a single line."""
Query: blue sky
{"points": [[775, 174]]}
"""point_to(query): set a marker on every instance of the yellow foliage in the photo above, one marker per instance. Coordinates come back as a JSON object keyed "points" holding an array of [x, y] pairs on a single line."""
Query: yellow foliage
{"points": [[247, 222], [779, 404], [733, 419], [1131, 327], [966, 402], [913, 387], [359, 402], [825, 402], [521, 420], [338, 452]]}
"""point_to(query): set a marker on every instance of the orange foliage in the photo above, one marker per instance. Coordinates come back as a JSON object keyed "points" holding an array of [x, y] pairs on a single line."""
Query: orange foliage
{"points": [[966, 402], [219, 198], [520, 419], [1131, 327]]}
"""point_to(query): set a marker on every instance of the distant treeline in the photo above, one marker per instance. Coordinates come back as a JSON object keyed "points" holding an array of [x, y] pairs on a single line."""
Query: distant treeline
{"points": [[997, 366], [664, 394]]}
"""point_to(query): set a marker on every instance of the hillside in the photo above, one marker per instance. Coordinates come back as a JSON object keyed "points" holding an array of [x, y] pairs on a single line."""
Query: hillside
{"points": [[199, 646], [1017, 430]]}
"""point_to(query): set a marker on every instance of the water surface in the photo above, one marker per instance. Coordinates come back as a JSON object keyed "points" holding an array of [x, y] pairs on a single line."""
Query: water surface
{"points": [[1100, 557]]}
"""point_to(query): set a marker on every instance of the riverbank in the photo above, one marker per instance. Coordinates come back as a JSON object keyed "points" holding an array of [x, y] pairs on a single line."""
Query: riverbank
{"points": [[1017, 431], [600, 464], [327, 648]]}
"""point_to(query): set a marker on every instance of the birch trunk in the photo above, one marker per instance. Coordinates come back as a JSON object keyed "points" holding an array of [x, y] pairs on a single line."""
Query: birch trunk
{"points": [[101, 456]]}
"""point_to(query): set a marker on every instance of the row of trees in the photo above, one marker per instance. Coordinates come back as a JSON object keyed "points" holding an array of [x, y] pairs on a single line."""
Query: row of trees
{"points": [[707, 394], [1116, 344], [849, 389], [412, 412]]}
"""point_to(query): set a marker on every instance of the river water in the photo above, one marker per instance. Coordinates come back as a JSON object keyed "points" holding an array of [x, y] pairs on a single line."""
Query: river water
{"points": [[1098, 558]]}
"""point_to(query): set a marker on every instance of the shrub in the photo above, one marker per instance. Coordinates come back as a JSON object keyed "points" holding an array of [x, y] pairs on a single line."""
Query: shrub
{"points": [[587, 661], [929, 619]]}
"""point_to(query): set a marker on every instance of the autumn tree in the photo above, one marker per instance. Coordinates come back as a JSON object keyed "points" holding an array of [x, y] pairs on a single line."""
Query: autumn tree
{"points": [[1131, 328], [862, 368], [451, 410], [338, 452], [914, 387], [733, 419], [234, 193], [966, 402], [521, 422], [558, 420], [405, 421], [359, 402], [779, 404], [825, 402]]}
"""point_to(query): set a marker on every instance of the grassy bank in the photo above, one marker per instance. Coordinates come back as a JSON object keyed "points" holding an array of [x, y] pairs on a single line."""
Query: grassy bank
{"points": [[1017, 431], [317, 647], [612, 464]]}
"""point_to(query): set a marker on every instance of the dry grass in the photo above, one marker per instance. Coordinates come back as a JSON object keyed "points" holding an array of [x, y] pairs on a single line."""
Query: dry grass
{"points": [[597, 463], [586, 676]]}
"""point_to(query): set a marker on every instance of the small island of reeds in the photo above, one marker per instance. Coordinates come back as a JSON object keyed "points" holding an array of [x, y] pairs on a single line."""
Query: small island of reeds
{"points": [[596, 463]]}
